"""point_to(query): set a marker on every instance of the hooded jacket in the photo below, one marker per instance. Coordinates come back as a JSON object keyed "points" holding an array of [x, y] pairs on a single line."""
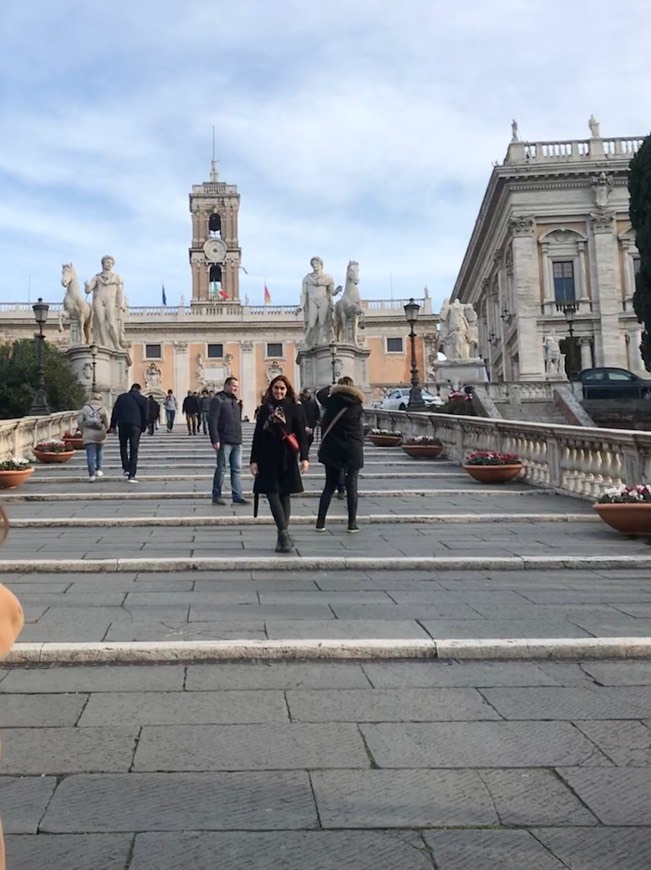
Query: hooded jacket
{"points": [[343, 446]]}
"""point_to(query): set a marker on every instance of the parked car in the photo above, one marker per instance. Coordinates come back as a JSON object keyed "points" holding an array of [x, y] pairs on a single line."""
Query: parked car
{"points": [[609, 382], [397, 400]]}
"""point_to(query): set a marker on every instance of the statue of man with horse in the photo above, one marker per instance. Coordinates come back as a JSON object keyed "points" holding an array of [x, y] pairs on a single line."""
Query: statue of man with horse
{"points": [[348, 310], [75, 306], [316, 304]]}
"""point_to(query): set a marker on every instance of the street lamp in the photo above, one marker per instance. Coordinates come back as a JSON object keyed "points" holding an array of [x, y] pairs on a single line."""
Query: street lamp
{"points": [[333, 360], [39, 402], [569, 310], [93, 353], [416, 402]]}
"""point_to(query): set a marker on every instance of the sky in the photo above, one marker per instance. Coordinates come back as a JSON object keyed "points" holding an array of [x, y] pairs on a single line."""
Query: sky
{"points": [[354, 129]]}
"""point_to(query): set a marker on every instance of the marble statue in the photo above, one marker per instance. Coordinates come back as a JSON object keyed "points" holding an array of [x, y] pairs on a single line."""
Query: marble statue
{"points": [[456, 334], [515, 136], [472, 331], [552, 353], [153, 377], [593, 124], [601, 187], [75, 306], [109, 306], [317, 306], [348, 310]]}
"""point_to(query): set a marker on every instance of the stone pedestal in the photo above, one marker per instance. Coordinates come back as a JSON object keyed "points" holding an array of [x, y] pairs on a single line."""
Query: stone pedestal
{"points": [[111, 370], [315, 366], [458, 372]]}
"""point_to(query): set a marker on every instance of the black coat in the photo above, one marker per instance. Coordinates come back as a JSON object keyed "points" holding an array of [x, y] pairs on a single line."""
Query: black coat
{"points": [[343, 446], [277, 463], [312, 411], [224, 419], [130, 409]]}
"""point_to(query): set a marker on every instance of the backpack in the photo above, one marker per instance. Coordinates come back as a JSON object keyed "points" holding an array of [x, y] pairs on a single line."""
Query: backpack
{"points": [[92, 419]]}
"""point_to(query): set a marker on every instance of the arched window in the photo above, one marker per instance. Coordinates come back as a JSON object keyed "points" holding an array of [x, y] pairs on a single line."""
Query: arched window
{"points": [[215, 226]]}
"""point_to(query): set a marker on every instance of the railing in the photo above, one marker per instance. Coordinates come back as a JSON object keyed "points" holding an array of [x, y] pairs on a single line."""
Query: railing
{"points": [[18, 437], [523, 391], [577, 461], [577, 149]]}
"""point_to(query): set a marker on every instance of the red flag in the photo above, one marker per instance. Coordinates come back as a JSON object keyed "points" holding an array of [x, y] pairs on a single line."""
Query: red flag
{"points": [[267, 296], [223, 294]]}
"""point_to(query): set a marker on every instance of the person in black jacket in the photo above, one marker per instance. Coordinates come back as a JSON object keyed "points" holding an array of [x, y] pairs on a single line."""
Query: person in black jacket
{"points": [[225, 427], [191, 410], [130, 415], [342, 446], [274, 462], [312, 411], [153, 410]]}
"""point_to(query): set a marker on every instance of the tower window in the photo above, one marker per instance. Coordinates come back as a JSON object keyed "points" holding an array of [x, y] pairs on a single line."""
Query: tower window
{"points": [[153, 351], [564, 287], [215, 226], [215, 351], [215, 282]]}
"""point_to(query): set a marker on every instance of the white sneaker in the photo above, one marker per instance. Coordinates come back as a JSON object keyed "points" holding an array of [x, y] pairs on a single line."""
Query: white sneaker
{"points": [[99, 473], [92, 479], [125, 474], [132, 480]]}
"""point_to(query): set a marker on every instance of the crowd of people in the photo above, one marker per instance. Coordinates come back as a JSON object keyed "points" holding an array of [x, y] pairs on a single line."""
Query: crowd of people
{"points": [[284, 433]]}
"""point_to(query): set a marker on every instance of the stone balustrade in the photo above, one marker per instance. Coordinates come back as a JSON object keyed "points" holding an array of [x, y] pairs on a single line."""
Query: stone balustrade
{"points": [[578, 461], [18, 437]]}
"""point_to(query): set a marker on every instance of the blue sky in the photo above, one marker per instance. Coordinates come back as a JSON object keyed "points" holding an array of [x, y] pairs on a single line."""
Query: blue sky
{"points": [[354, 129]]}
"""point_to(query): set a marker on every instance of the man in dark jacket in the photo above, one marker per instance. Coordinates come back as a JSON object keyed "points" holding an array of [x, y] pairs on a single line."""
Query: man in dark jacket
{"points": [[130, 415], [225, 427], [312, 411], [191, 410], [204, 410]]}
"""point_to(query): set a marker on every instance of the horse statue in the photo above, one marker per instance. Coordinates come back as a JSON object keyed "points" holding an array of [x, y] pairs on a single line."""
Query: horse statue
{"points": [[348, 309], [74, 304]]}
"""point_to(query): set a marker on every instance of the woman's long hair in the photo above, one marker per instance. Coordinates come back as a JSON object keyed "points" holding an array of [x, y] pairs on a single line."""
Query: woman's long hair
{"points": [[268, 396]]}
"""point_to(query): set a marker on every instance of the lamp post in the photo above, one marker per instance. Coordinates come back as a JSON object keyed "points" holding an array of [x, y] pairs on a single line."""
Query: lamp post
{"points": [[569, 310], [416, 402], [39, 402], [93, 353], [333, 360]]}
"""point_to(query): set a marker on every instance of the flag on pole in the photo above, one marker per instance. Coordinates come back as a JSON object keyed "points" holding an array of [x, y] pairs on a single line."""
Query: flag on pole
{"points": [[267, 295], [164, 296], [223, 294]]}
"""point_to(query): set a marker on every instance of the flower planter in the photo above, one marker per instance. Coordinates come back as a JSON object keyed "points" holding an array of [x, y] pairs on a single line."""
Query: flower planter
{"points": [[53, 456], [422, 451], [74, 443], [385, 440], [630, 519], [12, 479], [493, 473]]}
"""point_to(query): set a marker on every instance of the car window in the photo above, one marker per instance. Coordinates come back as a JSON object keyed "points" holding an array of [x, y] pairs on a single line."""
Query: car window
{"points": [[395, 394], [620, 375], [590, 377]]}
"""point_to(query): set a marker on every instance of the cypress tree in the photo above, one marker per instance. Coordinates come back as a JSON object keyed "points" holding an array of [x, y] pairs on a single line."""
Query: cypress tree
{"points": [[639, 188]]}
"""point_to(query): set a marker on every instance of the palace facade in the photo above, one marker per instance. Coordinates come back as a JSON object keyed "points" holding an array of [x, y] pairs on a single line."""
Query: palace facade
{"points": [[552, 252]]}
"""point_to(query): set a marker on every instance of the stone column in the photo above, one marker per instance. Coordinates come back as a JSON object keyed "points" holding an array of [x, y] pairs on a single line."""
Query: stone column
{"points": [[548, 279], [583, 280], [248, 386], [610, 350], [586, 353], [636, 363], [527, 287], [181, 371]]}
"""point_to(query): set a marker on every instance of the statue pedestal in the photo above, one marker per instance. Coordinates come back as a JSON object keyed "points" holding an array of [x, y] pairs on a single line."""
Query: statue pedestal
{"points": [[458, 372], [315, 366], [111, 370]]}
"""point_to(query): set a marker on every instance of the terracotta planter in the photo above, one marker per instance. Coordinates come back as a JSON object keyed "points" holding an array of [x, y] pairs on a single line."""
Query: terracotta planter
{"points": [[630, 519], [385, 440], [493, 473], [422, 451], [74, 443], [12, 479], [51, 456]]}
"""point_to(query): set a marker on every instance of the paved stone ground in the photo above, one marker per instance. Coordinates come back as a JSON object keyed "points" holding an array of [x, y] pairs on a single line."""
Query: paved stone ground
{"points": [[316, 766]]}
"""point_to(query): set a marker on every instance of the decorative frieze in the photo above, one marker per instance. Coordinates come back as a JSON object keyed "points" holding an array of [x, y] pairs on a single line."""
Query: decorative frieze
{"points": [[603, 221], [522, 225]]}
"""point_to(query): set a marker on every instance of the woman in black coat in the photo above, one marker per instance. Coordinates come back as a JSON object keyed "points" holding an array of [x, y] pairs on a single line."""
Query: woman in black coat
{"points": [[274, 462], [342, 448]]}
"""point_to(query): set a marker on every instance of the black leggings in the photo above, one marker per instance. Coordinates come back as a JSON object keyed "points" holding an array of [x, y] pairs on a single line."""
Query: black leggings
{"points": [[331, 482], [280, 504]]}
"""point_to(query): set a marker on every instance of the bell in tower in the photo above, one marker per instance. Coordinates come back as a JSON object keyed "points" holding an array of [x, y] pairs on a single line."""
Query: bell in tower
{"points": [[215, 255]]}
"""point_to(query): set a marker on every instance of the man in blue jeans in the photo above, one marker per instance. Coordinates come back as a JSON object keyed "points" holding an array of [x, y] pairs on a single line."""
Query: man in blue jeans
{"points": [[225, 428]]}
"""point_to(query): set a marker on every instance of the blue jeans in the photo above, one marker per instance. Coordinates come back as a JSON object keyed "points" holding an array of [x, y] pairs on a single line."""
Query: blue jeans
{"points": [[170, 415], [231, 454], [94, 453]]}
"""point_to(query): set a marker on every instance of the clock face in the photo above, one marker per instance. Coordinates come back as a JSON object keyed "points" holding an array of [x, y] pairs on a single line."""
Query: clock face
{"points": [[215, 250]]}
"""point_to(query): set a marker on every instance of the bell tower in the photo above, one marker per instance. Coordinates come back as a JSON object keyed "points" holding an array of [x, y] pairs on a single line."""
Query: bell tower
{"points": [[215, 255]]}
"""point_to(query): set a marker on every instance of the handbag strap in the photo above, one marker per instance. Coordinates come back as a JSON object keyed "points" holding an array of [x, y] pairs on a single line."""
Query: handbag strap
{"points": [[339, 415]]}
